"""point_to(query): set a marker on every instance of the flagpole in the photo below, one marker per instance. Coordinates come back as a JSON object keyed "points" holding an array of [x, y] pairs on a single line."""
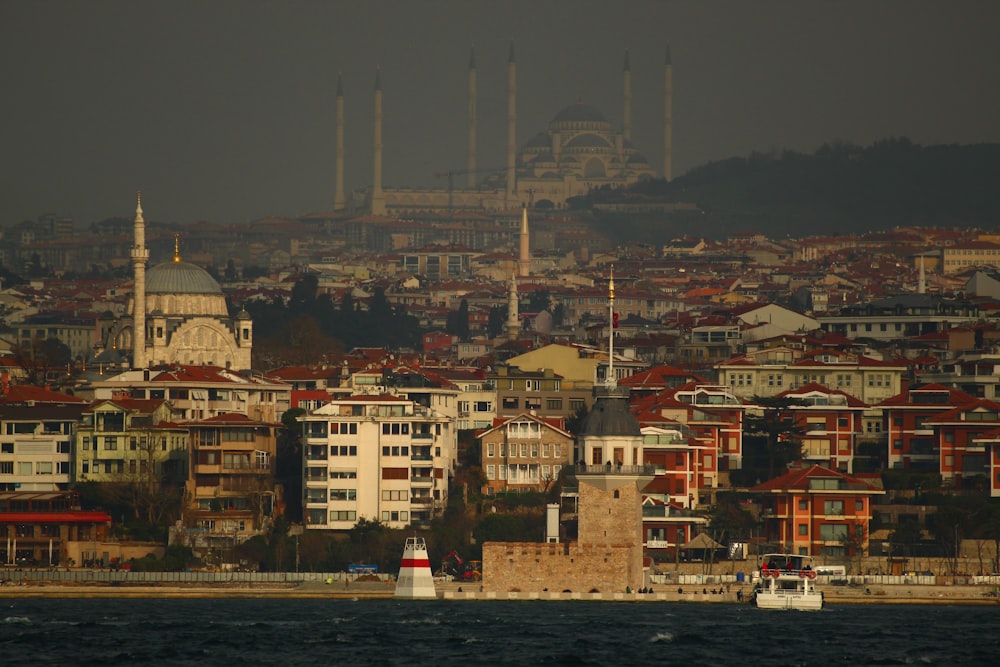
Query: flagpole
{"points": [[610, 380]]}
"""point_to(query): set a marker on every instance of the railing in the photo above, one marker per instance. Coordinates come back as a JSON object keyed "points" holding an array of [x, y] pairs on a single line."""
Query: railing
{"points": [[608, 469]]}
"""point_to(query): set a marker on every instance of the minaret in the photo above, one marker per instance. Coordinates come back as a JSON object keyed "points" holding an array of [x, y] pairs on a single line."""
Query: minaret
{"points": [[922, 280], [511, 124], [627, 103], [140, 255], [513, 318], [524, 250], [378, 199], [338, 198], [470, 160], [668, 117]]}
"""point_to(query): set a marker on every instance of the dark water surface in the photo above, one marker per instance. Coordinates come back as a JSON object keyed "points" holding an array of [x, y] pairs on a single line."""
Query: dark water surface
{"points": [[385, 632]]}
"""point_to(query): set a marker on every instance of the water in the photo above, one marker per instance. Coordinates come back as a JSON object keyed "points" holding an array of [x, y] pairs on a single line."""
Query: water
{"points": [[430, 633]]}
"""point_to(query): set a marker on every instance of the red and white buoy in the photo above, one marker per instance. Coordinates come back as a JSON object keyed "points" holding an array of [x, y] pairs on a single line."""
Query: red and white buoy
{"points": [[415, 581]]}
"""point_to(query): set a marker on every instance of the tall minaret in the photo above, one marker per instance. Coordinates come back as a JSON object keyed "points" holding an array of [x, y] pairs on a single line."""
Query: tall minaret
{"points": [[338, 197], [524, 249], [140, 255], [470, 160], [378, 199], [922, 280], [511, 124], [513, 318], [668, 117], [627, 103]]}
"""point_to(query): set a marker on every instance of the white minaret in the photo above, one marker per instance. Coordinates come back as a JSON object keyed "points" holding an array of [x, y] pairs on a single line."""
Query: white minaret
{"points": [[470, 159], [513, 318], [627, 102], [922, 280], [511, 124], [338, 197], [524, 248], [378, 199], [668, 117], [140, 255]]}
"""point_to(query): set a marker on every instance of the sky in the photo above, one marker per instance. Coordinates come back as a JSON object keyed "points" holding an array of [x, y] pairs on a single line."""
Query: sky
{"points": [[224, 110]]}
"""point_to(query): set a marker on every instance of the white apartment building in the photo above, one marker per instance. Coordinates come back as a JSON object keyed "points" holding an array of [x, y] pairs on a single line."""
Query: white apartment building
{"points": [[36, 447], [376, 457]]}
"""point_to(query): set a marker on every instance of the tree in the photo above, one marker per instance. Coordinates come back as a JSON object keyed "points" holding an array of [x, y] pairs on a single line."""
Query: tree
{"points": [[775, 430], [854, 541], [495, 321], [729, 521]]}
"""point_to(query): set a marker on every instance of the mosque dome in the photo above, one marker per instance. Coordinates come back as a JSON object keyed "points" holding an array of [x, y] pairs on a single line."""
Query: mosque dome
{"points": [[180, 278], [579, 113]]}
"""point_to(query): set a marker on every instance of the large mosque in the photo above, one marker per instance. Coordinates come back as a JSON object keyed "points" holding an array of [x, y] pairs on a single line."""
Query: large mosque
{"points": [[178, 315], [579, 150]]}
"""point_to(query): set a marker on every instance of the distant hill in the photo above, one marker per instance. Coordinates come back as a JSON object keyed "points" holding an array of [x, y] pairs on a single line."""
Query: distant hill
{"points": [[839, 189]]}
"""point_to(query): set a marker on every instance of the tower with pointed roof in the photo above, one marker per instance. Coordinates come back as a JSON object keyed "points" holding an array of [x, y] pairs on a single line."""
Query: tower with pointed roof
{"points": [[470, 159], [378, 197], [338, 197], [140, 256], [668, 116], [524, 246]]}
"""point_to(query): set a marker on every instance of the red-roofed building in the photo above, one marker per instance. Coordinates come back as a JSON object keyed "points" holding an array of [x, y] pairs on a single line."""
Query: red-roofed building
{"points": [[832, 423], [816, 511], [963, 461], [524, 453], [42, 527], [910, 443]]}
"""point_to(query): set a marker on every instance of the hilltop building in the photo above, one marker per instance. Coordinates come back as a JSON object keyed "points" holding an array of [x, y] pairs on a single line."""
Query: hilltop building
{"points": [[580, 149]]}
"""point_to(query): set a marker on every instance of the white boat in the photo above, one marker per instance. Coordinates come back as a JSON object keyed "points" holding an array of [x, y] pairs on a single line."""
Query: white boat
{"points": [[786, 581]]}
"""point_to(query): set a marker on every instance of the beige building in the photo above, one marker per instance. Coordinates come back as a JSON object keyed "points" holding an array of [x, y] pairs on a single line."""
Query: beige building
{"points": [[524, 453], [127, 440]]}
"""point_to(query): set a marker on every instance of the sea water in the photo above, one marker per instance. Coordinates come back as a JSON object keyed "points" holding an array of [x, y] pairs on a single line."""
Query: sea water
{"points": [[388, 632]]}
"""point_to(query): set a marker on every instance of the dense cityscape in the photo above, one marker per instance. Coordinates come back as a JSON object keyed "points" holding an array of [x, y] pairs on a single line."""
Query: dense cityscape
{"points": [[784, 352]]}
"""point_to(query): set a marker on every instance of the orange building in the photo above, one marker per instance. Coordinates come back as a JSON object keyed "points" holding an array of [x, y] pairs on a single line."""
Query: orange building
{"points": [[816, 511]]}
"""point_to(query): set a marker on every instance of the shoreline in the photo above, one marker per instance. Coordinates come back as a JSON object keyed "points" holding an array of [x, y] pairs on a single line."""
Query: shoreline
{"points": [[834, 596]]}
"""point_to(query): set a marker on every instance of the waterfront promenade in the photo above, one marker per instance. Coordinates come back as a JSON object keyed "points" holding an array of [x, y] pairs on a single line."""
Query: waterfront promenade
{"points": [[315, 586]]}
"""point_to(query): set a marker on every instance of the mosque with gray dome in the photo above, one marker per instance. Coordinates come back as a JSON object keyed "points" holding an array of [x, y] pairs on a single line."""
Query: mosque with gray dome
{"points": [[177, 314], [579, 150]]}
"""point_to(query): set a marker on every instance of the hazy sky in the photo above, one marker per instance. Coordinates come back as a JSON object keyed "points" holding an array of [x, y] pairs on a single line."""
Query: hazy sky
{"points": [[223, 110]]}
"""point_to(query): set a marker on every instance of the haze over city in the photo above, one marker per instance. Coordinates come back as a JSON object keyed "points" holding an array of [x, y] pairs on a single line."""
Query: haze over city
{"points": [[224, 111]]}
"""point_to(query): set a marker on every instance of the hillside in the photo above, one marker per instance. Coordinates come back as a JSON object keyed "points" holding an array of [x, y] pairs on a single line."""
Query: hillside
{"points": [[838, 189]]}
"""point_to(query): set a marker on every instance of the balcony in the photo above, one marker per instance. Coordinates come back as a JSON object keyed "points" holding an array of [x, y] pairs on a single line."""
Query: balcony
{"points": [[422, 436], [421, 481]]}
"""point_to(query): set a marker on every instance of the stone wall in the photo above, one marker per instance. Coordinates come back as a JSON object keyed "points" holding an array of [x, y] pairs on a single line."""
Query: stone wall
{"points": [[535, 567]]}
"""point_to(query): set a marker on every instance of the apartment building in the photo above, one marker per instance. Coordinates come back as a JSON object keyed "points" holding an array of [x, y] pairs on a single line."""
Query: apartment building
{"points": [[376, 457], [524, 453]]}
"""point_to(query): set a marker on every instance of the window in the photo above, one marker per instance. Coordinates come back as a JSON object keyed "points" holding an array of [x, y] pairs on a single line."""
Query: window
{"points": [[343, 515], [7, 448], [803, 529], [833, 507], [395, 495], [546, 450], [111, 443], [553, 404], [490, 449], [24, 467], [803, 505], [491, 472], [829, 532], [343, 494], [7, 468]]}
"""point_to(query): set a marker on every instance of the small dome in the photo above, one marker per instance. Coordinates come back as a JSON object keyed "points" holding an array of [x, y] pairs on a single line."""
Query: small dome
{"points": [[180, 278]]}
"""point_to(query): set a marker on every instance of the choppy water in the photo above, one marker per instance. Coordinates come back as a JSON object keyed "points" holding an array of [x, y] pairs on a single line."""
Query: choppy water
{"points": [[384, 632]]}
